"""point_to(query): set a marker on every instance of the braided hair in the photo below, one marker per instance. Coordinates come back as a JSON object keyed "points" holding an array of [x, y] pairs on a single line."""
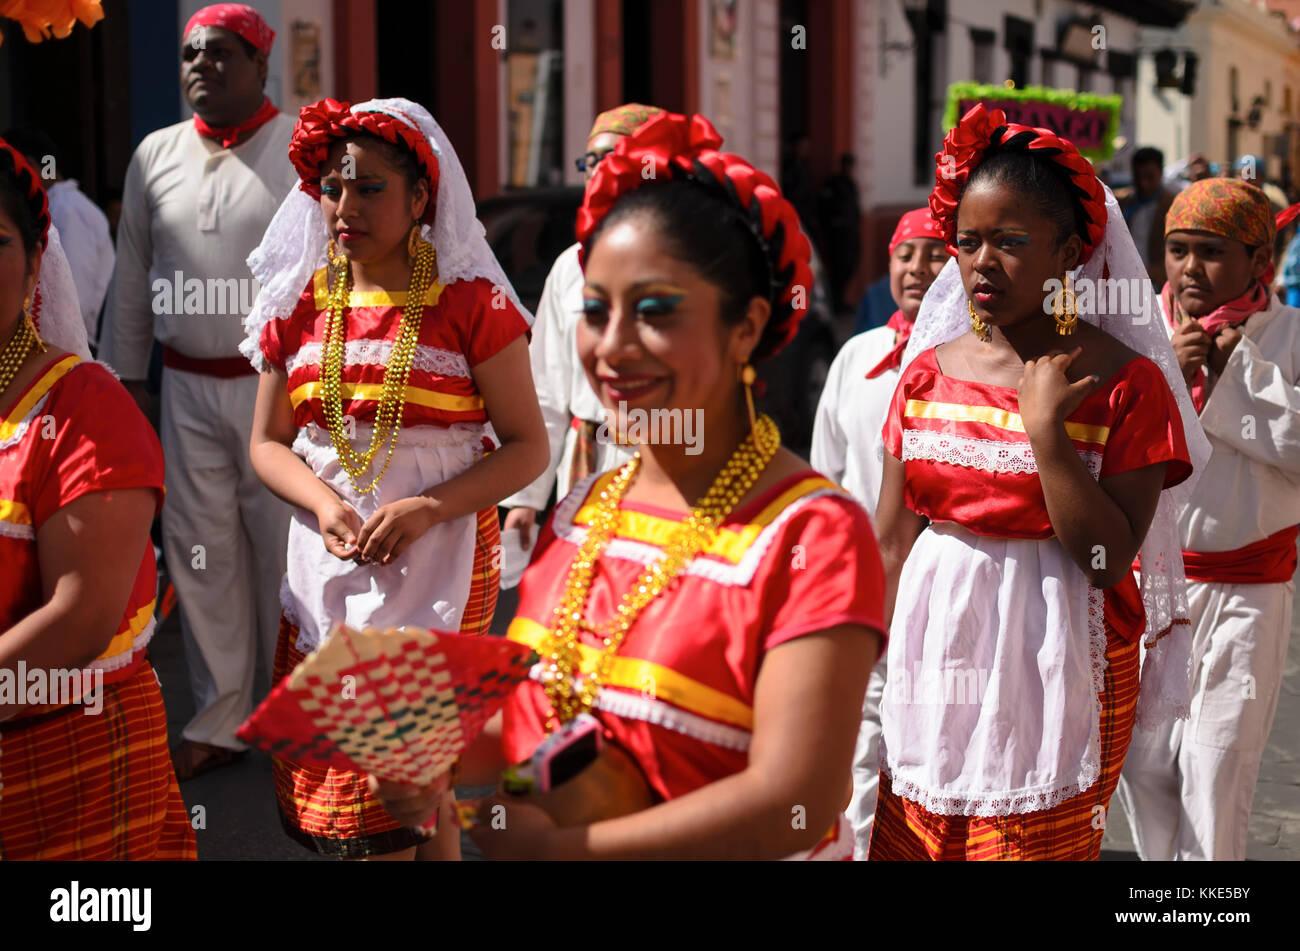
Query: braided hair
{"points": [[23, 198], [714, 211]]}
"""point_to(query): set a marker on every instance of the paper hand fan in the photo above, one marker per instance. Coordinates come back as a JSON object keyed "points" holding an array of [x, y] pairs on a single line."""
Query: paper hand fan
{"points": [[400, 704]]}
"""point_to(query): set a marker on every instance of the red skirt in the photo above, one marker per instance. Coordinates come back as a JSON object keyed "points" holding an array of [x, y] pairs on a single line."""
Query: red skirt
{"points": [[1072, 831], [330, 810], [96, 787]]}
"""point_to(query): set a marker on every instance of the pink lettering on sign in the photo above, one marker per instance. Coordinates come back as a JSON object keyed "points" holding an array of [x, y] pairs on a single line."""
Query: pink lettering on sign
{"points": [[1084, 127]]}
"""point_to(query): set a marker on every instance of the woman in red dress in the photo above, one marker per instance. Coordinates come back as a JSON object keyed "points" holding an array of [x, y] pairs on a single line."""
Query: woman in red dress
{"points": [[84, 768], [712, 608]]}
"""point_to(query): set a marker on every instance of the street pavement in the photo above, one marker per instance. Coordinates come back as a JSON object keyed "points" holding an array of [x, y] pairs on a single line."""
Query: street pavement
{"points": [[240, 820]]}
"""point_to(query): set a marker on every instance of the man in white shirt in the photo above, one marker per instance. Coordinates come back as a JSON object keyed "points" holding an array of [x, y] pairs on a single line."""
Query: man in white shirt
{"points": [[570, 407], [1188, 787], [197, 199], [846, 446], [83, 228]]}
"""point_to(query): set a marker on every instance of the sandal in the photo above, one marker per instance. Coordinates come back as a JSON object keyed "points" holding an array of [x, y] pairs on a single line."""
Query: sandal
{"points": [[192, 759]]}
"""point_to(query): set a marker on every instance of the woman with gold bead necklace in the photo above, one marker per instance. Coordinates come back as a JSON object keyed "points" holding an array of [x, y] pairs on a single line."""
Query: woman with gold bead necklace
{"points": [[711, 609], [390, 355]]}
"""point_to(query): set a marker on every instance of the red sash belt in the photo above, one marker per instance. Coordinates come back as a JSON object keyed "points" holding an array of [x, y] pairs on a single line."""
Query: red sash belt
{"points": [[223, 367], [1271, 560]]}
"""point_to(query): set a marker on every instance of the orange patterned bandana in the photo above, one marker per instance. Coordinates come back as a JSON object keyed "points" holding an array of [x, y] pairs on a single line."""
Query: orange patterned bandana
{"points": [[1227, 207], [623, 120]]}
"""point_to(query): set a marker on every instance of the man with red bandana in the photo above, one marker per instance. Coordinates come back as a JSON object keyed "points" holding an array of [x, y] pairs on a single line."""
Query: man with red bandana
{"points": [[197, 199]]}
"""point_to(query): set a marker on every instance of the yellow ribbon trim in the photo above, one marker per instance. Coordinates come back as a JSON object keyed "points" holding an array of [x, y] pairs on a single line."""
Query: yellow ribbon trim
{"points": [[730, 544], [16, 513], [373, 391], [33, 396], [1001, 418], [653, 680], [321, 290], [122, 641]]}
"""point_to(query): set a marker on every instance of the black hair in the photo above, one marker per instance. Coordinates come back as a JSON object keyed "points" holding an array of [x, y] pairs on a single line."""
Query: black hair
{"points": [[397, 156], [1039, 180], [17, 206], [1148, 156], [700, 226], [36, 146]]}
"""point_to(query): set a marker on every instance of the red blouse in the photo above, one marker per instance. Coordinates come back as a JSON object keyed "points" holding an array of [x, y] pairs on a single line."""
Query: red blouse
{"points": [[802, 558], [464, 324], [73, 431], [967, 458]]}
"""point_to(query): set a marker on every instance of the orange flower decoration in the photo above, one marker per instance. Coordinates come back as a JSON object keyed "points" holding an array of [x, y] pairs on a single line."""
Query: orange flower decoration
{"points": [[50, 19]]}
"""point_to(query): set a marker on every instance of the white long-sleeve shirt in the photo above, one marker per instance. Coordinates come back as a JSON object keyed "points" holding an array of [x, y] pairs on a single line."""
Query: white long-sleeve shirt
{"points": [[846, 432], [197, 213], [1250, 488], [88, 243], [562, 388]]}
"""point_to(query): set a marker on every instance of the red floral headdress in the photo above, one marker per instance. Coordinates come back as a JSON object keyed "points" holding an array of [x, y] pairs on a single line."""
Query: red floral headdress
{"points": [[983, 129], [29, 183], [321, 123], [671, 146]]}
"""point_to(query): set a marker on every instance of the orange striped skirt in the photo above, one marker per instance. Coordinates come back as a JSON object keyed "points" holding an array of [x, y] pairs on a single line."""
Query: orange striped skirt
{"points": [[1071, 831], [94, 787], [330, 810]]}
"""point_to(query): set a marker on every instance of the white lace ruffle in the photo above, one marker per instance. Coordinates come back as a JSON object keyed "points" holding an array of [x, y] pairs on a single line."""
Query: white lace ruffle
{"points": [[293, 248], [455, 436], [379, 353], [990, 455], [56, 308], [1167, 663]]}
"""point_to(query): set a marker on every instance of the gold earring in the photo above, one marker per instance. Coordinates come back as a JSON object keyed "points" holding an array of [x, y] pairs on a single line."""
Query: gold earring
{"points": [[977, 326], [37, 342], [413, 242], [1065, 309], [747, 376]]}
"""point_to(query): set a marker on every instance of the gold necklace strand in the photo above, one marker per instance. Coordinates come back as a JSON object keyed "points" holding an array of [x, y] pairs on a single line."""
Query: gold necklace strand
{"points": [[392, 400], [561, 650], [23, 341]]}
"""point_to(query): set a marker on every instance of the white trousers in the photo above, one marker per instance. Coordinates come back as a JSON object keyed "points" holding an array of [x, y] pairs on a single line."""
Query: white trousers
{"points": [[866, 764], [1187, 788], [224, 537]]}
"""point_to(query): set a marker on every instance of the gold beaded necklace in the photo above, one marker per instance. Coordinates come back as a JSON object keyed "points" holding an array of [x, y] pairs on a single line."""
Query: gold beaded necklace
{"points": [[561, 652], [388, 418], [24, 340]]}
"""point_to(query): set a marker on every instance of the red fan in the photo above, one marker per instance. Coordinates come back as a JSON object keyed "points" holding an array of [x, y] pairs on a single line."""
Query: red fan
{"points": [[399, 704]]}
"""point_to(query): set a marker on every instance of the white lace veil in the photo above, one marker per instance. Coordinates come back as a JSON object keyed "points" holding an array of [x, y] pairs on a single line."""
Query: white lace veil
{"points": [[293, 248], [1166, 688], [56, 310]]}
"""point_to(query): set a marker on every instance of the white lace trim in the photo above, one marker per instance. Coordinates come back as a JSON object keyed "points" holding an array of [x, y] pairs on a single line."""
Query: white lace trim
{"points": [[419, 437], [25, 423], [997, 803], [990, 455], [13, 530], [640, 707], [720, 572], [118, 661], [380, 353]]}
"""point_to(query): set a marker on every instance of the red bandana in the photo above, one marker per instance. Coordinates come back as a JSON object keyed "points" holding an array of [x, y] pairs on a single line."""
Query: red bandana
{"points": [[902, 328], [230, 135], [243, 21]]}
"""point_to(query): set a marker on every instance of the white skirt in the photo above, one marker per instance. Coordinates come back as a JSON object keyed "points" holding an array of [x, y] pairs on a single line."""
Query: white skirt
{"points": [[428, 585], [997, 655]]}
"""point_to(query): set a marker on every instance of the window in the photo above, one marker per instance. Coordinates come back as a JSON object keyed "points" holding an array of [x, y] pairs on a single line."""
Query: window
{"points": [[535, 92], [1019, 42], [982, 60]]}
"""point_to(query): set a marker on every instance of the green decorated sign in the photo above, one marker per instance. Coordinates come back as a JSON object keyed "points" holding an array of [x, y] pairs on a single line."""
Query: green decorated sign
{"points": [[1089, 120]]}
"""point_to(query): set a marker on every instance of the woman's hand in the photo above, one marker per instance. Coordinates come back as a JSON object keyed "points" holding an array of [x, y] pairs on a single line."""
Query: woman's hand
{"points": [[412, 806], [512, 828], [1191, 346], [339, 527], [1046, 395], [392, 529]]}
